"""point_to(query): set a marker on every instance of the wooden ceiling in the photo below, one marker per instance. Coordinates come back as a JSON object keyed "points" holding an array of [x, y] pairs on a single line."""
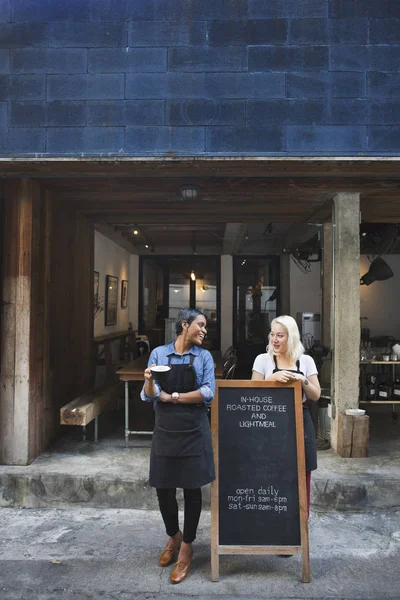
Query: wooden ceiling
{"points": [[146, 192]]}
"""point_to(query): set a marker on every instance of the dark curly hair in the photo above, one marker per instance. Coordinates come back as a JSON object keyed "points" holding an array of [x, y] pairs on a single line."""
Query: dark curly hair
{"points": [[188, 315]]}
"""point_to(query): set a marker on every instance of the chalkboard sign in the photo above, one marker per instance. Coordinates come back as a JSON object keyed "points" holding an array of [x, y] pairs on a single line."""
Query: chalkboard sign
{"points": [[258, 500]]}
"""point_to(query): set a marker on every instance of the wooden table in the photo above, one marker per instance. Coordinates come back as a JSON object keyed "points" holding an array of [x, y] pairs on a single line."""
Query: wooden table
{"points": [[134, 372]]}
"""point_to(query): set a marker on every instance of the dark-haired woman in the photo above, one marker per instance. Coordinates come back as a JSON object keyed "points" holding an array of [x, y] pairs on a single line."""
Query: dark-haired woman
{"points": [[181, 451]]}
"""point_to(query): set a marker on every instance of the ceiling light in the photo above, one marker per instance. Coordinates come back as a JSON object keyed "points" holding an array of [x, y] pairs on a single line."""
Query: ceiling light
{"points": [[146, 245], [189, 191], [193, 276]]}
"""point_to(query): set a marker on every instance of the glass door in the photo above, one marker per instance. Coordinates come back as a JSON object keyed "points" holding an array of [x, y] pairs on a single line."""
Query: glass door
{"points": [[256, 303], [169, 284]]}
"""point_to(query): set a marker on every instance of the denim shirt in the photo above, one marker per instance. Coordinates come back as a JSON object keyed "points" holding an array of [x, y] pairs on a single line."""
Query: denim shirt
{"points": [[203, 364]]}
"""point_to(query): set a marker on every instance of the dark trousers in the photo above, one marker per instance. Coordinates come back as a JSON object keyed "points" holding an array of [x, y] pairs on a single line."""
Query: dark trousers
{"points": [[169, 511]]}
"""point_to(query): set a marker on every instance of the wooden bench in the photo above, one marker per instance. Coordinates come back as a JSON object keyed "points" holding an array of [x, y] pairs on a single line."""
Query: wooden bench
{"points": [[87, 407]]}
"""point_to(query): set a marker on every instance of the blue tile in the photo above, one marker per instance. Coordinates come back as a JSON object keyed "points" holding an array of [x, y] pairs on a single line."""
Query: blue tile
{"points": [[27, 114], [245, 139], [4, 147], [308, 31], [193, 10], [50, 10], [347, 85], [307, 85], [348, 31], [326, 138], [48, 60], [384, 112], [384, 58], [22, 87], [380, 9], [159, 140], [210, 85], [27, 140], [207, 59], [85, 87], [384, 31], [165, 85], [384, 139], [4, 62], [147, 10], [126, 112], [342, 9], [132, 60], [5, 11], [3, 114], [254, 32], [348, 112], [325, 84], [22, 35], [286, 112], [42, 114], [288, 58], [245, 85], [87, 35], [108, 10], [205, 112], [383, 85], [69, 114], [348, 58], [161, 33], [269, 9], [89, 140]]}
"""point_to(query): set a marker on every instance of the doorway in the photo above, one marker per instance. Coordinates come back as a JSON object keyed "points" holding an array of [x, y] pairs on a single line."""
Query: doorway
{"points": [[256, 302], [170, 283]]}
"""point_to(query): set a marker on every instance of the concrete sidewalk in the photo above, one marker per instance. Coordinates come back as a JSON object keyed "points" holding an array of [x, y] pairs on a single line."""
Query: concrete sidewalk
{"points": [[94, 554], [108, 475]]}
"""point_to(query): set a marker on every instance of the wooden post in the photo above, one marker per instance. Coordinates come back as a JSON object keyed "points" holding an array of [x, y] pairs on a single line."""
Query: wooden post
{"points": [[353, 436], [21, 354]]}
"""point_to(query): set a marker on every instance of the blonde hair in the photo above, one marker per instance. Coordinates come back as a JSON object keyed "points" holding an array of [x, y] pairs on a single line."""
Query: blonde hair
{"points": [[295, 348]]}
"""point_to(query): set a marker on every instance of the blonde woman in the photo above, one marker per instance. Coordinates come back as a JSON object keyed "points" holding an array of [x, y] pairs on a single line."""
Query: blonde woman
{"points": [[285, 362]]}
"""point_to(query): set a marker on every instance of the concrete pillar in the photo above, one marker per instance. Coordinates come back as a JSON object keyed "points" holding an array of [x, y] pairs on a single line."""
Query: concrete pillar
{"points": [[326, 299], [346, 309], [227, 292]]}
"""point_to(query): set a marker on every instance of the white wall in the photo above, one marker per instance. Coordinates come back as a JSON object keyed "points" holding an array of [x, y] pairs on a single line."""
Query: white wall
{"points": [[380, 300], [110, 259], [305, 289]]}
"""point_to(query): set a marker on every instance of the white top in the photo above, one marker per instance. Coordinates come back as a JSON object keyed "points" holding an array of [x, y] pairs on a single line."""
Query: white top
{"points": [[264, 364]]}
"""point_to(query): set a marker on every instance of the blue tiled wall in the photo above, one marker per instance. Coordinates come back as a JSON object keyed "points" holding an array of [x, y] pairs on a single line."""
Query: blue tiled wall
{"points": [[200, 77]]}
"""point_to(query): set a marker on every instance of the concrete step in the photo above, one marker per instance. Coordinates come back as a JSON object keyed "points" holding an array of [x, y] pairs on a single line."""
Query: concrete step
{"points": [[108, 475]]}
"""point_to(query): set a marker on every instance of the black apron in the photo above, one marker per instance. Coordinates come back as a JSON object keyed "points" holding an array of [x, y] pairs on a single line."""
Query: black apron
{"points": [[181, 451], [310, 444]]}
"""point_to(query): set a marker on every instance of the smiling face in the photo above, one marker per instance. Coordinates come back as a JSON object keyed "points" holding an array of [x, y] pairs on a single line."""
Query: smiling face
{"points": [[196, 331], [279, 338]]}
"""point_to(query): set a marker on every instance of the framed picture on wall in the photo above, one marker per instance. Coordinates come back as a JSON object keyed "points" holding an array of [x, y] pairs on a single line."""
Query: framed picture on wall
{"points": [[96, 285], [124, 293], [111, 300]]}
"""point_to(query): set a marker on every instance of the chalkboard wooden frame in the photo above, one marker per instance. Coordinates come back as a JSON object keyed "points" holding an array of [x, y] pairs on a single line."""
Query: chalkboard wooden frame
{"points": [[303, 548]]}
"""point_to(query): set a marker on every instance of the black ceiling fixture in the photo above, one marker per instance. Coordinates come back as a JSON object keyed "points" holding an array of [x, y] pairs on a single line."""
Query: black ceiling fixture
{"points": [[379, 270]]}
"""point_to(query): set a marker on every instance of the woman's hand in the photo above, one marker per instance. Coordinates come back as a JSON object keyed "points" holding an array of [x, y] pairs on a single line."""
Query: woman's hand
{"points": [[164, 397], [286, 376], [148, 374]]}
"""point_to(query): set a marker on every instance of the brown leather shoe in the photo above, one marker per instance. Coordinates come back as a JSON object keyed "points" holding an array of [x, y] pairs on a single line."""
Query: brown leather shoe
{"points": [[180, 571], [168, 554]]}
